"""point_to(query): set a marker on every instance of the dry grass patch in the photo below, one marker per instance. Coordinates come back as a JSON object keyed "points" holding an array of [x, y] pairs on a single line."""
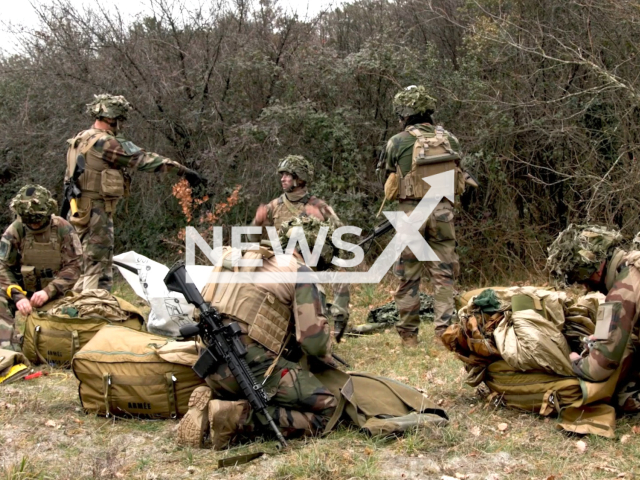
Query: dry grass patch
{"points": [[45, 435]]}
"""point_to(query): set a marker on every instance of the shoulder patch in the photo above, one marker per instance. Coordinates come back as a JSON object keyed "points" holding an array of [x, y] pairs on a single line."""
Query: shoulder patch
{"points": [[5, 248], [129, 147]]}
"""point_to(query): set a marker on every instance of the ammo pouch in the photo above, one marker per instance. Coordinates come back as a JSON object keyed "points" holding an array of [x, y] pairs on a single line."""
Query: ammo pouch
{"points": [[112, 183], [121, 374], [55, 339], [29, 278]]}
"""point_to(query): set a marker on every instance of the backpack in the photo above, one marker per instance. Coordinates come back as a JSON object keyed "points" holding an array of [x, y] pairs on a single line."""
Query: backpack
{"points": [[53, 336]]}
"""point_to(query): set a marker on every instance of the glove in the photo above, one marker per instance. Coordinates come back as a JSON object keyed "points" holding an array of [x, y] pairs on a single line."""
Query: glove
{"points": [[194, 178]]}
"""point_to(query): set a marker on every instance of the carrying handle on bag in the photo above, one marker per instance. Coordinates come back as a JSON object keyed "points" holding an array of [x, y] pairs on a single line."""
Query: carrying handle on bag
{"points": [[106, 382], [36, 336], [171, 394]]}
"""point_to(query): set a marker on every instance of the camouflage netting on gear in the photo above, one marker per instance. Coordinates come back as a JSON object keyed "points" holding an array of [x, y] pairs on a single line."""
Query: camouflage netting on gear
{"points": [[297, 165], [109, 106], [311, 229], [387, 315], [33, 201], [580, 246], [413, 100]]}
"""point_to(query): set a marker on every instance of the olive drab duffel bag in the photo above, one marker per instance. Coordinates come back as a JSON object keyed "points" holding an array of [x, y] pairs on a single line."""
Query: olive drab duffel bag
{"points": [[53, 335], [122, 373]]}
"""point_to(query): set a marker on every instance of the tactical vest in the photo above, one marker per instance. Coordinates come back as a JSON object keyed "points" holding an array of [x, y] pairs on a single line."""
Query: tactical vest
{"points": [[432, 154], [286, 209], [41, 261], [266, 317], [99, 180]]}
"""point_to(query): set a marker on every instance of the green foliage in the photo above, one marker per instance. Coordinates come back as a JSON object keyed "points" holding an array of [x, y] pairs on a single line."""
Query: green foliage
{"points": [[543, 97]]}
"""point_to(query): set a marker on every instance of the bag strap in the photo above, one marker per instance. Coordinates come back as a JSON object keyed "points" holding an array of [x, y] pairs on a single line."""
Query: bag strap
{"points": [[171, 394], [106, 382], [36, 336]]}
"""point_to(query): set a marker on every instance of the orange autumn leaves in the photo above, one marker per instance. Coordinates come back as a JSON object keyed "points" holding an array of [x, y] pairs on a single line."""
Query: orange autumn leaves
{"points": [[183, 193]]}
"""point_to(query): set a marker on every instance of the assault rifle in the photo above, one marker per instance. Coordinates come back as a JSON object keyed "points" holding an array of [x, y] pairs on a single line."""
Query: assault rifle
{"points": [[223, 345], [71, 190], [380, 230]]}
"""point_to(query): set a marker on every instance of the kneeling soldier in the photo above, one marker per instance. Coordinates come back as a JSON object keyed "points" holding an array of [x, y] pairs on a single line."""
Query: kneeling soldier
{"points": [[40, 258], [279, 321]]}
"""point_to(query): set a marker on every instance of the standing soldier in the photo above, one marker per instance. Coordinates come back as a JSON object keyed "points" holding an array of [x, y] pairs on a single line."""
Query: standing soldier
{"points": [[97, 160], [421, 150], [40, 258], [295, 173]]}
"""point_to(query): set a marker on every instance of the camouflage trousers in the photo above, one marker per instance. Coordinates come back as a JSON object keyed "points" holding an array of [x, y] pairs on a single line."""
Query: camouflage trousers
{"points": [[298, 403], [440, 234], [97, 249], [9, 338]]}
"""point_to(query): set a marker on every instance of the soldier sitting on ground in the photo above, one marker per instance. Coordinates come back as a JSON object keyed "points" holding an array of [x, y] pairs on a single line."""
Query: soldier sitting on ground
{"points": [[40, 258]]}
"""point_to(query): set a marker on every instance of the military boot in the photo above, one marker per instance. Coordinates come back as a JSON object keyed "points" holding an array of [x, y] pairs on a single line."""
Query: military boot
{"points": [[226, 420], [409, 339], [194, 427]]}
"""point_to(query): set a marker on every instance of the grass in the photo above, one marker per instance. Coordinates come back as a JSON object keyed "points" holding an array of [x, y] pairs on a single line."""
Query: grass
{"points": [[45, 435]]}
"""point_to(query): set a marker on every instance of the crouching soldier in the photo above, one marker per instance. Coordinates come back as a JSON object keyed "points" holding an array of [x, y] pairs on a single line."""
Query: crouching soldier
{"points": [[280, 322], [40, 258], [591, 256]]}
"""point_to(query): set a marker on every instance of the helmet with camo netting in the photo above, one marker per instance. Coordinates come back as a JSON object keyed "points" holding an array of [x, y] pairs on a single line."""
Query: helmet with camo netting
{"points": [[579, 251], [33, 204], [109, 106], [296, 165], [413, 100], [311, 229]]}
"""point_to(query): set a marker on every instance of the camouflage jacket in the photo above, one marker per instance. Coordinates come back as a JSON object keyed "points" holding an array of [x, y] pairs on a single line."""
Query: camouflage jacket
{"points": [[399, 149], [623, 285], [120, 153], [12, 246], [288, 206]]}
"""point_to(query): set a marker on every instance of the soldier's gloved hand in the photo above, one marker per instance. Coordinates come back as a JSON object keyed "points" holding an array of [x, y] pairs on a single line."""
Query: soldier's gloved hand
{"points": [[24, 306], [194, 178]]}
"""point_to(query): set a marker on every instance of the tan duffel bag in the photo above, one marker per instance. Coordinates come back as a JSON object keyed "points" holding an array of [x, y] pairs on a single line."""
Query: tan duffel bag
{"points": [[53, 338], [121, 374]]}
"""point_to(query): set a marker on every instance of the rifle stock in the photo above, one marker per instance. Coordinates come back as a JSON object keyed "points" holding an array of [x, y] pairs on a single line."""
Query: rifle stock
{"points": [[223, 345], [71, 190]]}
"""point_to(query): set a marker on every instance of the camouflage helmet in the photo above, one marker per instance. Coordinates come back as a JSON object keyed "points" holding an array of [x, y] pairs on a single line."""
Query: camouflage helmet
{"points": [[296, 165], [33, 204], [413, 100], [311, 228], [109, 106], [579, 251]]}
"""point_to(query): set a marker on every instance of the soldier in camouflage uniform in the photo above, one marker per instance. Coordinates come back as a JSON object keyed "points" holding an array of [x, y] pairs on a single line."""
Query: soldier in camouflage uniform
{"points": [[414, 108], [295, 173], [590, 255], [40, 258], [107, 155], [280, 321]]}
